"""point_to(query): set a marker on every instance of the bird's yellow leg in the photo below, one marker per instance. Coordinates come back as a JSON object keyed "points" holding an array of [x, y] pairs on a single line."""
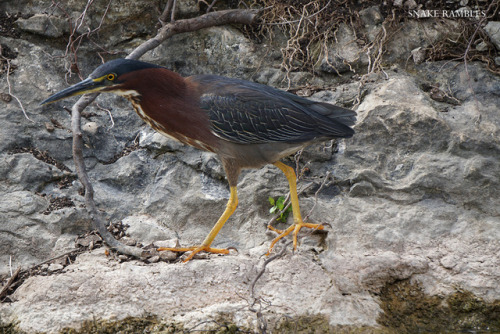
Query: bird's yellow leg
{"points": [[297, 217], [232, 203], [274, 229]]}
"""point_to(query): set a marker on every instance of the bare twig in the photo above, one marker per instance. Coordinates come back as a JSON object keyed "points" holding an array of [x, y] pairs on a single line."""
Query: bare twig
{"points": [[471, 40], [306, 18], [258, 300], [75, 41], [172, 13], [20, 275], [166, 12], [71, 252], [264, 265], [96, 218], [211, 5], [327, 178], [10, 90], [109, 114], [9, 283], [241, 16], [378, 46], [246, 16], [296, 158]]}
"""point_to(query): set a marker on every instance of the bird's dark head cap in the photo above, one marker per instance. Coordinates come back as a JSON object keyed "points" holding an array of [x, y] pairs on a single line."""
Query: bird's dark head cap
{"points": [[106, 77], [118, 67]]}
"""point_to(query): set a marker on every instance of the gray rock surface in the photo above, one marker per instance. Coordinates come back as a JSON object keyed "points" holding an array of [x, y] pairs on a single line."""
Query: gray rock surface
{"points": [[173, 292], [44, 25], [344, 53], [493, 31], [412, 197]]}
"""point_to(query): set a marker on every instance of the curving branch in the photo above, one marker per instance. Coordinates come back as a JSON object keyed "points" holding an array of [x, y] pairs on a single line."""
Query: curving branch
{"points": [[97, 219], [240, 16], [233, 16]]}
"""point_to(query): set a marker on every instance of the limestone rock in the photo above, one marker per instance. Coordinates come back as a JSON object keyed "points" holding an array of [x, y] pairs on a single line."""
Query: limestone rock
{"points": [[106, 287], [146, 229], [345, 53], [412, 197], [371, 16], [493, 31], [44, 25]]}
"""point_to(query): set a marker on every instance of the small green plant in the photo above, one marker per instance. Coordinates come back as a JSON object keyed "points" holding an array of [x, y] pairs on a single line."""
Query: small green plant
{"points": [[278, 205]]}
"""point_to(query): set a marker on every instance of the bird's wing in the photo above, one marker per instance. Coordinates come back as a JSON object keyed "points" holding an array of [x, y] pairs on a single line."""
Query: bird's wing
{"points": [[249, 113]]}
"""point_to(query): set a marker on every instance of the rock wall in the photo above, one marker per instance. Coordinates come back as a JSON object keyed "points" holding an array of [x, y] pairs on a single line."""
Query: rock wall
{"points": [[412, 198]]}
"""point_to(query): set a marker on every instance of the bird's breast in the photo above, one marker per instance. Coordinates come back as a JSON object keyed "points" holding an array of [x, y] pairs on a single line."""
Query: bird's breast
{"points": [[136, 103]]}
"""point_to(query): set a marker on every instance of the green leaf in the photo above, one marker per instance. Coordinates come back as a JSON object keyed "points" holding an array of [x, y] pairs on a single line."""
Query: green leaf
{"points": [[271, 201], [273, 209], [280, 203]]}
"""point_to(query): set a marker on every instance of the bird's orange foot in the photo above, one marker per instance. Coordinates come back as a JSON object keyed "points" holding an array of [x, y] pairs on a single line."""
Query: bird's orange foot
{"points": [[195, 250], [295, 228]]}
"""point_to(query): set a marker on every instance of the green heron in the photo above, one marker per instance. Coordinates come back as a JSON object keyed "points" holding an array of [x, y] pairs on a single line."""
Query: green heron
{"points": [[246, 124]]}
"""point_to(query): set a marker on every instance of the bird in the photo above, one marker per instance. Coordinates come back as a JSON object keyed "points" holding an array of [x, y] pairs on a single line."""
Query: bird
{"points": [[246, 124]]}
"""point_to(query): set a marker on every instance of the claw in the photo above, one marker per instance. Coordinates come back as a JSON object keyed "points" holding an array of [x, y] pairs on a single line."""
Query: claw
{"points": [[295, 228], [195, 250]]}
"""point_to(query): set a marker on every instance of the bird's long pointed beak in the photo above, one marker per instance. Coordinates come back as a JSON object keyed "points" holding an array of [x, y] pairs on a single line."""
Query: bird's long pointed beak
{"points": [[86, 86]]}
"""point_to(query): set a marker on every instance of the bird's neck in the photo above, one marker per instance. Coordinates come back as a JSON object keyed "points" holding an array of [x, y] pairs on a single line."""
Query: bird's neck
{"points": [[167, 102]]}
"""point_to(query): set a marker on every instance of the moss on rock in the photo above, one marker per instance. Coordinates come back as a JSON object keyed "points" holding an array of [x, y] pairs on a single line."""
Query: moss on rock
{"points": [[408, 309]]}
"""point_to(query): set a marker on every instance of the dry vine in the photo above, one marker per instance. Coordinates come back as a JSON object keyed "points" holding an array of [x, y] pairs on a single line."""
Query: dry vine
{"points": [[75, 39], [459, 48], [8, 72], [257, 300], [309, 27]]}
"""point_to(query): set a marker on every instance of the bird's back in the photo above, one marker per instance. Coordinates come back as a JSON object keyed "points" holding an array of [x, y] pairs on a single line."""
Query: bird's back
{"points": [[245, 112]]}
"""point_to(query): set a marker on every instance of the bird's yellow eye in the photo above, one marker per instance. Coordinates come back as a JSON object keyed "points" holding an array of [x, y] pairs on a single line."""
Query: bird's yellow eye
{"points": [[111, 77]]}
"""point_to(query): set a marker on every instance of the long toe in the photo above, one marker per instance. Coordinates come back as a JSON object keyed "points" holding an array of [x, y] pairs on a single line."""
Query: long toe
{"points": [[275, 229], [281, 235], [195, 250], [295, 228]]}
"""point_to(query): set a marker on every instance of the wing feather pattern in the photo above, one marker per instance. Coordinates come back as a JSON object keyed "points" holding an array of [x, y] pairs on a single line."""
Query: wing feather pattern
{"points": [[249, 113]]}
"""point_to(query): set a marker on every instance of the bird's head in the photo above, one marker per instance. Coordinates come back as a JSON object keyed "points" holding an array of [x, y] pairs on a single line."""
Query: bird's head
{"points": [[112, 76]]}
